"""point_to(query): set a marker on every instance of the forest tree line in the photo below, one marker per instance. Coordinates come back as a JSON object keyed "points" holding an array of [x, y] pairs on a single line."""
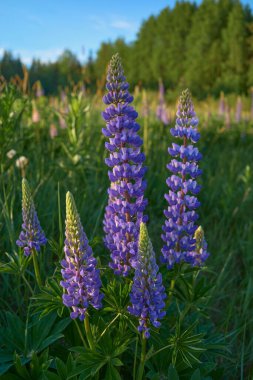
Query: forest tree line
{"points": [[206, 47]]}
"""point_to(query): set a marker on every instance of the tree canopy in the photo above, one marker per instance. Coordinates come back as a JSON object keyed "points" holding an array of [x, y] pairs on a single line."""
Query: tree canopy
{"points": [[208, 48]]}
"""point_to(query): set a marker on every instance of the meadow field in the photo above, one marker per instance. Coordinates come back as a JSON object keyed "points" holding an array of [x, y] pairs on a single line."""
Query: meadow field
{"points": [[63, 150]]}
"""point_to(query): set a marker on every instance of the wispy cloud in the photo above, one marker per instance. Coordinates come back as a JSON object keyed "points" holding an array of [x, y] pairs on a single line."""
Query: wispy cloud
{"points": [[122, 24], [115, 22], [47, 55]]}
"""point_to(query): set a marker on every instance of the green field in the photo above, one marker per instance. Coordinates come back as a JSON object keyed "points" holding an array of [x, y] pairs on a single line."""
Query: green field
{"points": [[74, 160]]}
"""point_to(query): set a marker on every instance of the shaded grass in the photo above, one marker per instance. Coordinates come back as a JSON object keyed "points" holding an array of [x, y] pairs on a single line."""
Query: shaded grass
{"points": [[57, 165]]}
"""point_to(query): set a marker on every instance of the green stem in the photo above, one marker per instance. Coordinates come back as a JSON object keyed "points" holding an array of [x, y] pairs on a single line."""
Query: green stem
{"points": [[135, 357], [36, 268], [143, 357], [184, 312], [172, 285], [80, 333], [88, 332], [108, 326], [160, 350], [27, 283]]}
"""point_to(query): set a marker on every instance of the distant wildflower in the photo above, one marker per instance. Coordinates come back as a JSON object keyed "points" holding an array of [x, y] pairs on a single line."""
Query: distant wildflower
{"points": [[81, 278], [227, 117], [251, 107], [161, 111], [63, 96], [32, 235], [238, 111], [62, 121], [53, 131], [222, 105], [83, 90], [179, 228], [145, 105], [147, 293], [35, 115], [126, 205], [21, 163], [11, 154], [39, 90]]}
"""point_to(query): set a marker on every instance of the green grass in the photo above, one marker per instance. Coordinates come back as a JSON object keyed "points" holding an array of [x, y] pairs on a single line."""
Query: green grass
{"points": [[226, 214]]}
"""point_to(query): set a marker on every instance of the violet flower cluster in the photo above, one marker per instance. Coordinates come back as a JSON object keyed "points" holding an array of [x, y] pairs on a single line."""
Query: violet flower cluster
{"points": [[180, 225], [147, 293], [81, 278], [32, 236], [126, 204]]}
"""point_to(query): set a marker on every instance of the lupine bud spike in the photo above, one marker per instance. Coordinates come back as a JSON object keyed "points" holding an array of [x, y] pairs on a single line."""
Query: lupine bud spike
{"points": [[32, 235], [147, 293], [81, 278]]}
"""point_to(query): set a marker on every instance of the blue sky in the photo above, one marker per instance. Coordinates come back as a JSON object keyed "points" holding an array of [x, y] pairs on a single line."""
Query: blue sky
{"points": [[44, 28]]}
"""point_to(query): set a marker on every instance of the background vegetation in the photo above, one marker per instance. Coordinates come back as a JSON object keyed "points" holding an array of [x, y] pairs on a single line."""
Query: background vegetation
{"points": [[208, 48]]}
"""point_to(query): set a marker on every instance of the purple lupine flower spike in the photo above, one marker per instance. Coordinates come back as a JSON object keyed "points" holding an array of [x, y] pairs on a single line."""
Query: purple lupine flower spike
{"points": [[81, 278], [126, 204], [32, 236], [181, 217], [147, 293]]}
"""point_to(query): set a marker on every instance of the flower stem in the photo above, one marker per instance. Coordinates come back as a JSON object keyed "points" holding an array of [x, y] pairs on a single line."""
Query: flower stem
{"points": [[27, 283], [80, 333], [172, 285], [143, 357], [88, 332], [36, 268]]}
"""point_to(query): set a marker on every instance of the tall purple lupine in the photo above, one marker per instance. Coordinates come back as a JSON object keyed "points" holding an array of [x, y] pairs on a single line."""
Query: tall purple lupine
{"points": [[181, 217], [81, 278], [147, 293], [126, 204], [32, 236]]}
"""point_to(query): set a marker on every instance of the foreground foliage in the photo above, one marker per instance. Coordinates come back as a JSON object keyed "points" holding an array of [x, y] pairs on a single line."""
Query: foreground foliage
{"points": [[206, 331]]}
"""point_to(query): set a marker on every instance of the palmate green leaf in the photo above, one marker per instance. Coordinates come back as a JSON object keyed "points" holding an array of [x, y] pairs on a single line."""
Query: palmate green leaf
{"points": [[112, 373], [106, 357], [49, 299], [21, 369], [64, 369], [27, 338], [192, 291], [16, 265], [172, 373], [152, 375], [196, 375], [37, 368], [116, 296], [187, 346], [88, 363]]}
